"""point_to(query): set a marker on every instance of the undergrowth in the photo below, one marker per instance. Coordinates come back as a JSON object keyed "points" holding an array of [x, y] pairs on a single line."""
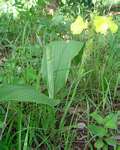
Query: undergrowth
{"points": [[79, 74]]}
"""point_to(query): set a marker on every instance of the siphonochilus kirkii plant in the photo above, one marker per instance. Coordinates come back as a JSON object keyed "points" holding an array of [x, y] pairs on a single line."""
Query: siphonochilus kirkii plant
{"points": [[58, 55]]}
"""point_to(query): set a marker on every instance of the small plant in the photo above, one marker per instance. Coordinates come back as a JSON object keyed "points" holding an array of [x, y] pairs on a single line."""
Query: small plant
{"points": [[103, 130]]}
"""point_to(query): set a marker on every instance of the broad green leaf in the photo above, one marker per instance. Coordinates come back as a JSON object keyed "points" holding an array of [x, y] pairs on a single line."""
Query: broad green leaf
{"points": [[56, 63], [110, 121], [99, 143], [111, 141], [97, 118], [24, 94], [97, 130]]}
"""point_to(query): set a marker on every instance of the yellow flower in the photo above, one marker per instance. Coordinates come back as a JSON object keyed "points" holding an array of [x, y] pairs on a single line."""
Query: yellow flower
{"points": [[113, 27], [103, 24], [78, 26]]}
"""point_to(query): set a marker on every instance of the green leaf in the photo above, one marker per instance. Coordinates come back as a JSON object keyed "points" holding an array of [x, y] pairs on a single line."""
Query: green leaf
{"points": [[99, 143], [97, 130], [105, 147], [118, 148], [97, 117], [110, 121], [24, 94], [56, 63], [111, 141]]}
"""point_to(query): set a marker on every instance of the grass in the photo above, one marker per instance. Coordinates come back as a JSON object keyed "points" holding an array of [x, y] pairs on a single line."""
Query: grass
{"points": [[65, 126]]}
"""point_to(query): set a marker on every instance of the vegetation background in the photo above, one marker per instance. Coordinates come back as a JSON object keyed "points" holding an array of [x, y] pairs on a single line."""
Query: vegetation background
{"points": [[58, 91]]}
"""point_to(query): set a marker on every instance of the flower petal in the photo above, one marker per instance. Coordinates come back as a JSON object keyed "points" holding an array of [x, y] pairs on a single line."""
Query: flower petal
{"points": [[78, 26]]}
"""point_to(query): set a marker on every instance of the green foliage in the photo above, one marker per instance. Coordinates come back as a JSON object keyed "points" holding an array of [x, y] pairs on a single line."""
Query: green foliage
{"points": [[97, 117], [111, 141], [37, 50], [56, 63], [97, 130], [110, 121], [99, 144], [24, 94], [101, 129]]}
